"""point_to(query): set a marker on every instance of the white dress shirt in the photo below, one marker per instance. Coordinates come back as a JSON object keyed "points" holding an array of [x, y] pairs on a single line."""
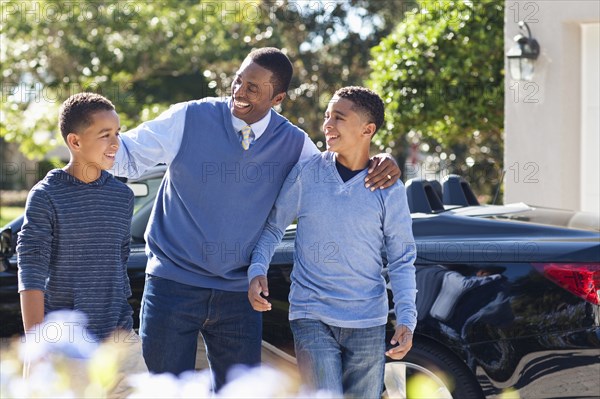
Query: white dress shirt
{"points": [[158, 141]]}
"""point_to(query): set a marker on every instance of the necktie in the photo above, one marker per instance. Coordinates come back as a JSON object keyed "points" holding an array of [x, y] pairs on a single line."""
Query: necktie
{"points": [[247, 136]]}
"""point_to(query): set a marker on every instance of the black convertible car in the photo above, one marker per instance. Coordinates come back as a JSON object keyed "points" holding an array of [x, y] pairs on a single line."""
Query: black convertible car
{"points": [[508, 301]]}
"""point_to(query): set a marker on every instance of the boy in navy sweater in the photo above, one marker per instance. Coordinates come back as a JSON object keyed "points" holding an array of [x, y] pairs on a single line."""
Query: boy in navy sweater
{"points": [[73, 247], [338, 297]]}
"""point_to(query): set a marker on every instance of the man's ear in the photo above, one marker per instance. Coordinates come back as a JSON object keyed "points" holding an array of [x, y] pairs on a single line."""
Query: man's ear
{"points": [[73, 141], [278, 99]]}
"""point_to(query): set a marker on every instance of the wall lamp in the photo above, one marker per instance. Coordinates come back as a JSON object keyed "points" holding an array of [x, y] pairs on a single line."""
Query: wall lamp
{"points": [[523, 54]]}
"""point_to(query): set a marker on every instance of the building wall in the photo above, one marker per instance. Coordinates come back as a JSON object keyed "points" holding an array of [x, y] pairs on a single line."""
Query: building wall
{"points": [[543, 118], [590, 118]]}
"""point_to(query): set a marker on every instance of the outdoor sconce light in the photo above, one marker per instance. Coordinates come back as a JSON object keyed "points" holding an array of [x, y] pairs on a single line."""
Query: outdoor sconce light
{"points": [[522, 55]]}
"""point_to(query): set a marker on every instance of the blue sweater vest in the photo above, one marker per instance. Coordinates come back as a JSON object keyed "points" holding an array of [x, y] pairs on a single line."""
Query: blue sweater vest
{"points": [[215, 197]]}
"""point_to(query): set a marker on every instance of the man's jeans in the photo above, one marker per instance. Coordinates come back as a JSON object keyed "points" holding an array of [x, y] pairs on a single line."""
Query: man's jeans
{"points": [[348, 361], [173, 314]]}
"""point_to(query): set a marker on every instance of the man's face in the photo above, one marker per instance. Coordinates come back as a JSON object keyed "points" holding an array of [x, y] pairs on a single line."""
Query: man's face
{"points": [[252, 92], [344, 128]]}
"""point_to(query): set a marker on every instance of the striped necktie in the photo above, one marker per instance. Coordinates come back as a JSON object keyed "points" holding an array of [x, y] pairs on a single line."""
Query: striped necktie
{"points": [[247, 136]]}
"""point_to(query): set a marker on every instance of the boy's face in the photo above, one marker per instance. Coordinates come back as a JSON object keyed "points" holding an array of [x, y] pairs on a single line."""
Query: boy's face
{"points": [[252, 92], [98, 143], [344, 128]]}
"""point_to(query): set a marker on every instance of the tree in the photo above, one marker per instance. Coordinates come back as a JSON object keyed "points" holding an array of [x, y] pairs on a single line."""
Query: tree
{"points": [[147, 55], [328, 42], [441, 75], [141, 55]]}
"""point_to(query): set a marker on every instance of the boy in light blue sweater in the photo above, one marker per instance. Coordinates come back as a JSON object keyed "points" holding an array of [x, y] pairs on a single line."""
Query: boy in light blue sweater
{"points": [[338, 298]]}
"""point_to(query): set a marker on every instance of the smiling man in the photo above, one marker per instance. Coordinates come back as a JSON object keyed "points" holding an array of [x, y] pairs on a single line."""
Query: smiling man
{"points": [[227, 160]]}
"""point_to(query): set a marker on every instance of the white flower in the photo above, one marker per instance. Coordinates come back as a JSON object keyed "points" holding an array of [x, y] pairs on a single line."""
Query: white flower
{"points": [[190, 384], [62, 332]]}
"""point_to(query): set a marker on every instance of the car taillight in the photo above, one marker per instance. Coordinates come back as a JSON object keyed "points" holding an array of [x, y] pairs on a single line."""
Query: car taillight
{"points": [[582, 279]]}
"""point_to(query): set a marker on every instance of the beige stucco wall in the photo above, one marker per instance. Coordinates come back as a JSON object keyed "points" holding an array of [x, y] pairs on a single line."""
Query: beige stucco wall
{"points": [[543, 117]]}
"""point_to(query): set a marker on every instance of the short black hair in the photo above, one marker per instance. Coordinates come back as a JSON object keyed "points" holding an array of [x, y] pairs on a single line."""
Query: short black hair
{"points": [[366, 102], [76, 112], [278, 63]]}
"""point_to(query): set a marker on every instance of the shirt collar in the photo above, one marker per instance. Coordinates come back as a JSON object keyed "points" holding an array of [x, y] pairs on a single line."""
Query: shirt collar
{"points": [[258, 128]]}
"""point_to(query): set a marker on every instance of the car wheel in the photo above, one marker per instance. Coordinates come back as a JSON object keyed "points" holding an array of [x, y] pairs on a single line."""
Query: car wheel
{"points": [[428, 371]]}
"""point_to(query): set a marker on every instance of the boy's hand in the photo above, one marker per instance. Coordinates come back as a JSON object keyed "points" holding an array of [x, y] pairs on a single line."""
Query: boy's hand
{"points": [[259, 285], [402, 337], [383, 172]]}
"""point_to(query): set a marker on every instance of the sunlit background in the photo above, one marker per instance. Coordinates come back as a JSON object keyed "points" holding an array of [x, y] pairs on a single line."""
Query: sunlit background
{"points": [[438, 65]]}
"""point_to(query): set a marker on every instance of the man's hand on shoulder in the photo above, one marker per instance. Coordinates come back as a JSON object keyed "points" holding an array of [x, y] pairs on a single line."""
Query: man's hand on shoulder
{"points": [[383, 172], [259, 285]]}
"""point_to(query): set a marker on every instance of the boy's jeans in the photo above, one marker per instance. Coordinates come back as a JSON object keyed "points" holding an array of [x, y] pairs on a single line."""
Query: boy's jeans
{"points": [[172, 314], [343, 361]]}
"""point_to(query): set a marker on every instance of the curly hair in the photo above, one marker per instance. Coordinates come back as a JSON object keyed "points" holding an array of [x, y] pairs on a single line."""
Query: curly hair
{"points": [[275, 61], [366, 102], [76, 112]]}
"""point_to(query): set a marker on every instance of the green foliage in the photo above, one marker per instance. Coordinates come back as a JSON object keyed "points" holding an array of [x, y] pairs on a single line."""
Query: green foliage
{"points": [[145, 56], [328, 43], [141, 55], [440, 72], [441, 75], [9, 213]]}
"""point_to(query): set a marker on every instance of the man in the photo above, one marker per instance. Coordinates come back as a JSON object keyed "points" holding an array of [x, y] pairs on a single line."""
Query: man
{"points": [[227, 160]]}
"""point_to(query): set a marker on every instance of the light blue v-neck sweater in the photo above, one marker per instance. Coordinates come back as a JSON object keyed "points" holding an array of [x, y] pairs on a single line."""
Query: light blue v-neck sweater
{"points": [[342, 229]]}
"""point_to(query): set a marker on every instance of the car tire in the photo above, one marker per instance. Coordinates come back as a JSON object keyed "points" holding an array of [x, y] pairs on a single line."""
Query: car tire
{"points": [[435, 371]]}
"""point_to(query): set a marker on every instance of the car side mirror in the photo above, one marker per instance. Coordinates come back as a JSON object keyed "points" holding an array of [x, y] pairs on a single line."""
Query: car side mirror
{"points": [[139, 189]]}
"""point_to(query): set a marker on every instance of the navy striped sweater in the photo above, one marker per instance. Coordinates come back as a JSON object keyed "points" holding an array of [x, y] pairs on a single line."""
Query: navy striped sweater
{"points": [[74, 245]]}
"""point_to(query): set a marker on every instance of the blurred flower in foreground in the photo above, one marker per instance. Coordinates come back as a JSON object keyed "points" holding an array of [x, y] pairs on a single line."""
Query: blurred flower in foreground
{"points": [[60, 358], [510, 393], [55, 358], [245, 382], [190, 384], [67, 362], [62, 333]]}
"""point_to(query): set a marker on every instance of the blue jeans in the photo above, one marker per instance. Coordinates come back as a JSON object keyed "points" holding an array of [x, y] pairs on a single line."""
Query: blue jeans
{"points": [[173, 314], [343, 361]]}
